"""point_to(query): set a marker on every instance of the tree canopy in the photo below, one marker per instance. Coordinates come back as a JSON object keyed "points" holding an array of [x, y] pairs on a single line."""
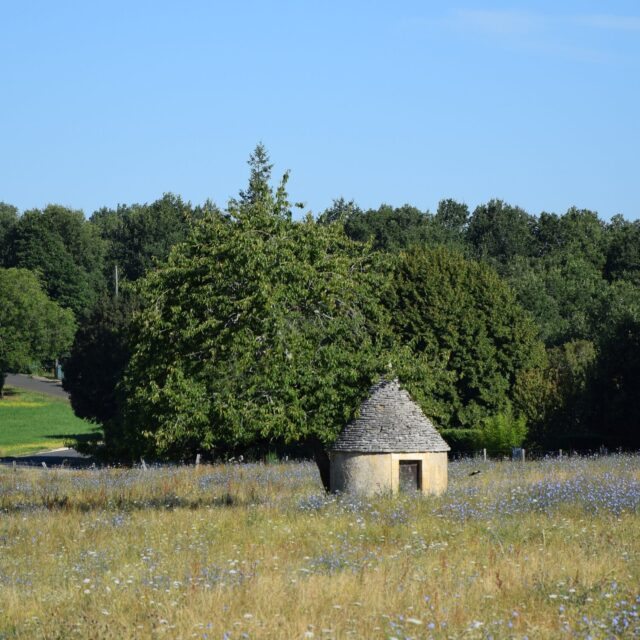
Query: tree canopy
{"points": [[140, 235], [62, 246], [257, 327], [242, 309], [464, 317], [388, 228], [100, 352], [498, 232], [8, 220]]}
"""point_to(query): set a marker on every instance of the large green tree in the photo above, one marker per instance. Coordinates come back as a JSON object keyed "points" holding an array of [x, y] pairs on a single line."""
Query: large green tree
{"points": [[623, 250], [62, 246], [579, 233], [33, 329], [100, 352], [450, 224], [8, 220], [498, 232], [140, 235], [612, 402], [256, 328], [340, 211], [566, 294], [559, 418], [464, 318], [389, 228]]}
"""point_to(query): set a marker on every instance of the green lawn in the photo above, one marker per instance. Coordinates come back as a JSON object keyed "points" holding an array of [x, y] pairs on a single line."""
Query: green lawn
{"points": [[32, 422]]}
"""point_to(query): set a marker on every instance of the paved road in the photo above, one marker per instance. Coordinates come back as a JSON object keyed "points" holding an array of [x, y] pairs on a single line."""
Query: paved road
{"points": [[41, 385], [57, 458]]}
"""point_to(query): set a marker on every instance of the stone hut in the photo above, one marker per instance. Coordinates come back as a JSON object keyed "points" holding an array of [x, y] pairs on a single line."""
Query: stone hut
{"points": [[392, 446]]}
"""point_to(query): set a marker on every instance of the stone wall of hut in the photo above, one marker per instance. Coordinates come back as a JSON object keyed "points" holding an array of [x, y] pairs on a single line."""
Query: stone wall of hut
{"points": [[371, 473]]}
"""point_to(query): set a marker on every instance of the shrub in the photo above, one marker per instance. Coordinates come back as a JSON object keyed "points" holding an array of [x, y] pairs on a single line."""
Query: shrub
{"points": [[502, 431]]}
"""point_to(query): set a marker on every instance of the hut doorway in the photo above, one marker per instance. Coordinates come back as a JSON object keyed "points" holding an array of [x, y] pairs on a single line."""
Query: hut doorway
{"points": [[410, 476]]}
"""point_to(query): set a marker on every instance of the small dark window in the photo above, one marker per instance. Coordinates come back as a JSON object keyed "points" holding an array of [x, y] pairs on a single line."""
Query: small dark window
{"points": [[410, 475]]}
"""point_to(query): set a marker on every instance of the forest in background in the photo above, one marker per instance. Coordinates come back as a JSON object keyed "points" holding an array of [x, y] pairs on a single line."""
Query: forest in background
{"points": [[508, 327]]}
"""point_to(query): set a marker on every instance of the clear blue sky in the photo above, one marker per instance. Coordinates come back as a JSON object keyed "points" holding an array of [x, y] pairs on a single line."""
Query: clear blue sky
{"points": [[537, 103]]}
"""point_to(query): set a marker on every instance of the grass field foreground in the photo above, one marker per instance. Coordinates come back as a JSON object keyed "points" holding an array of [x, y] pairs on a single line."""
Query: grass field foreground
{"points": [[32, 422], [547, 549]]}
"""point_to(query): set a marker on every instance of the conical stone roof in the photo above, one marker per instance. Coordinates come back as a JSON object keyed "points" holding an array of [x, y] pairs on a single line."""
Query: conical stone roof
{"points": [[390, 421]]}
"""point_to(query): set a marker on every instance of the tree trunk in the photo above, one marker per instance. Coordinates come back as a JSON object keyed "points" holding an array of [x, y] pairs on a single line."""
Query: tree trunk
{"points": [[321, 458], [3, 376]]}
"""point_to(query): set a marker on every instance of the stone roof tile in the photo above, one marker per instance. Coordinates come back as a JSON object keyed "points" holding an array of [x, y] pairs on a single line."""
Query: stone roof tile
{"points": [[390, 421]]}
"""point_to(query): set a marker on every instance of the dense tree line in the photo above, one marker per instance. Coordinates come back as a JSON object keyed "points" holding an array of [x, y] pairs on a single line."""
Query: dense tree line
{"points": [[243, 327], [57, 271], [578, 278]]}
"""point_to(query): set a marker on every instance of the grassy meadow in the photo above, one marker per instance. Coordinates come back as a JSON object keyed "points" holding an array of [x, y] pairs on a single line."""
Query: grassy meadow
{"points": [[547, 549], [32, 422]]}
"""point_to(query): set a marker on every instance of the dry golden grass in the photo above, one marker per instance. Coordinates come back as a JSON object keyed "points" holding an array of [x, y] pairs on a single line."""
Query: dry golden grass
{"points": [[547, 549]]}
